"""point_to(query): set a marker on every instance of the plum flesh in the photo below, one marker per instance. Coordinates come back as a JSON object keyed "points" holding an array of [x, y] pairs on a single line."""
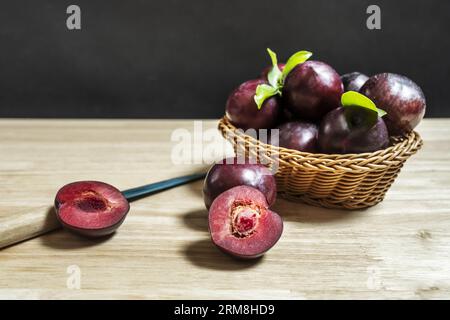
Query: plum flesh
{"points": [[345, 131], [400, 97], [243, 112], [298, 135], [241, 223], [353, 81], [232, 172], [91, 208], [312, 89]]}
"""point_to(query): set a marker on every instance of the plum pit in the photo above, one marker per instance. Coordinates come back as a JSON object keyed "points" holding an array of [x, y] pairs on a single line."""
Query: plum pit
{"points": [[244, 219]]}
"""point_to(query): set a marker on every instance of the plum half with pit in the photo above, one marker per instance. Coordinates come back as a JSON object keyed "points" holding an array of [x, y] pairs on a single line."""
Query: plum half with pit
{"points": [[241, 223], [91, 208], [353, 81], [298, 135], [400, 97], [242, 111], [312, 89], [232, 172]]}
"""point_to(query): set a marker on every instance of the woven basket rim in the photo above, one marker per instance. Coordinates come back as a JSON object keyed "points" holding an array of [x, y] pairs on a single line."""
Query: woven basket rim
{"points": [[400, 147]]}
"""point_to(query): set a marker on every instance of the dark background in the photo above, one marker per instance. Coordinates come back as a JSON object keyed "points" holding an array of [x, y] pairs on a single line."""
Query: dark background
{"points": [[181, 58]]}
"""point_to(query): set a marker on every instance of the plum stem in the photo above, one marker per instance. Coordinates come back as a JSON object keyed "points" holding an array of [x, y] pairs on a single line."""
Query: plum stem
{"points": [[152, 188]]}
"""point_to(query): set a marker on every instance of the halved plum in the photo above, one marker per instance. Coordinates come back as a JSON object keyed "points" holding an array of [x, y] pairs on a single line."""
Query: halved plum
{"points": [[241, 223], [91, 208]]}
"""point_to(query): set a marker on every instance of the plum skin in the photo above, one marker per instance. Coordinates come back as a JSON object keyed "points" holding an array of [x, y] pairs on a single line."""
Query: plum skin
{"points": [[400, 97], [286, 116], [242, 239], [353, 81], [312, 89], [298, 135], [337, 135], [93, 233], [231, 173], [90, 208], [243, 112]]}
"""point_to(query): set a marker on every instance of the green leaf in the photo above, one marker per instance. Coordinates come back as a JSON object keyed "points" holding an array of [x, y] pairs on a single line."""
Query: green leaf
{"points": [[353, 98], [263, 92], [274, 74], [296, 59], [273, 57], [353, 101], [381, 112]]}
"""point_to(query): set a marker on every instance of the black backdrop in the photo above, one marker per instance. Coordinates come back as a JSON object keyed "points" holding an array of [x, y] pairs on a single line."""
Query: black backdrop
{"points": [[180, 58]]}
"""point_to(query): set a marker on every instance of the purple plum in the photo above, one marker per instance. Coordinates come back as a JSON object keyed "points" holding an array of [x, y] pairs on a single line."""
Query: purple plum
{"points": [[400, 97], [298, 135], [243, 112], [312, 89], [353, 81], [286, 116], [346, 130], [231, 172]]}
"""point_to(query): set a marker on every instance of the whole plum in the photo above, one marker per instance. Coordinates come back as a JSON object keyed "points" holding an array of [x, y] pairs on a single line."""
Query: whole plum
{"points": [[353, 81], [312, 89], [298, 135], [400, 97], [242, 111], [232, 172], [345, 130]]}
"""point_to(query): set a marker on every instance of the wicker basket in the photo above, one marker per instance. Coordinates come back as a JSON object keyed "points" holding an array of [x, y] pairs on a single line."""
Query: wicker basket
{"points": [[351, 181]]}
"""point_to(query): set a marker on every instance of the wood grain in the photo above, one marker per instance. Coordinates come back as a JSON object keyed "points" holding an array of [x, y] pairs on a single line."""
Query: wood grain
{"points": [[22, 225], [397, 249]]}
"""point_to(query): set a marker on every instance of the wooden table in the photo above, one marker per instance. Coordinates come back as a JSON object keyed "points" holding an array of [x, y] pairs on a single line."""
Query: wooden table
{"points": [[398, 249]]}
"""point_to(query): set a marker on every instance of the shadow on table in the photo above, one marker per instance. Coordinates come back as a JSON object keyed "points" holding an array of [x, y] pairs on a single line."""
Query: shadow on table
{"points": [[205, 254], [197, 220], [290, 211], [62, 239], [300, 212]]}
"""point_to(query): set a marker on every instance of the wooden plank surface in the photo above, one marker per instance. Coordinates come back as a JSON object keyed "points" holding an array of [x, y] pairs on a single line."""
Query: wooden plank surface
{"points": [[398, 249]]}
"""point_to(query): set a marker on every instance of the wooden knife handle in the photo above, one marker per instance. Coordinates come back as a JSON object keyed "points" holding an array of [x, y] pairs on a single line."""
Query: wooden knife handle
{"points": [[27, 224]]}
